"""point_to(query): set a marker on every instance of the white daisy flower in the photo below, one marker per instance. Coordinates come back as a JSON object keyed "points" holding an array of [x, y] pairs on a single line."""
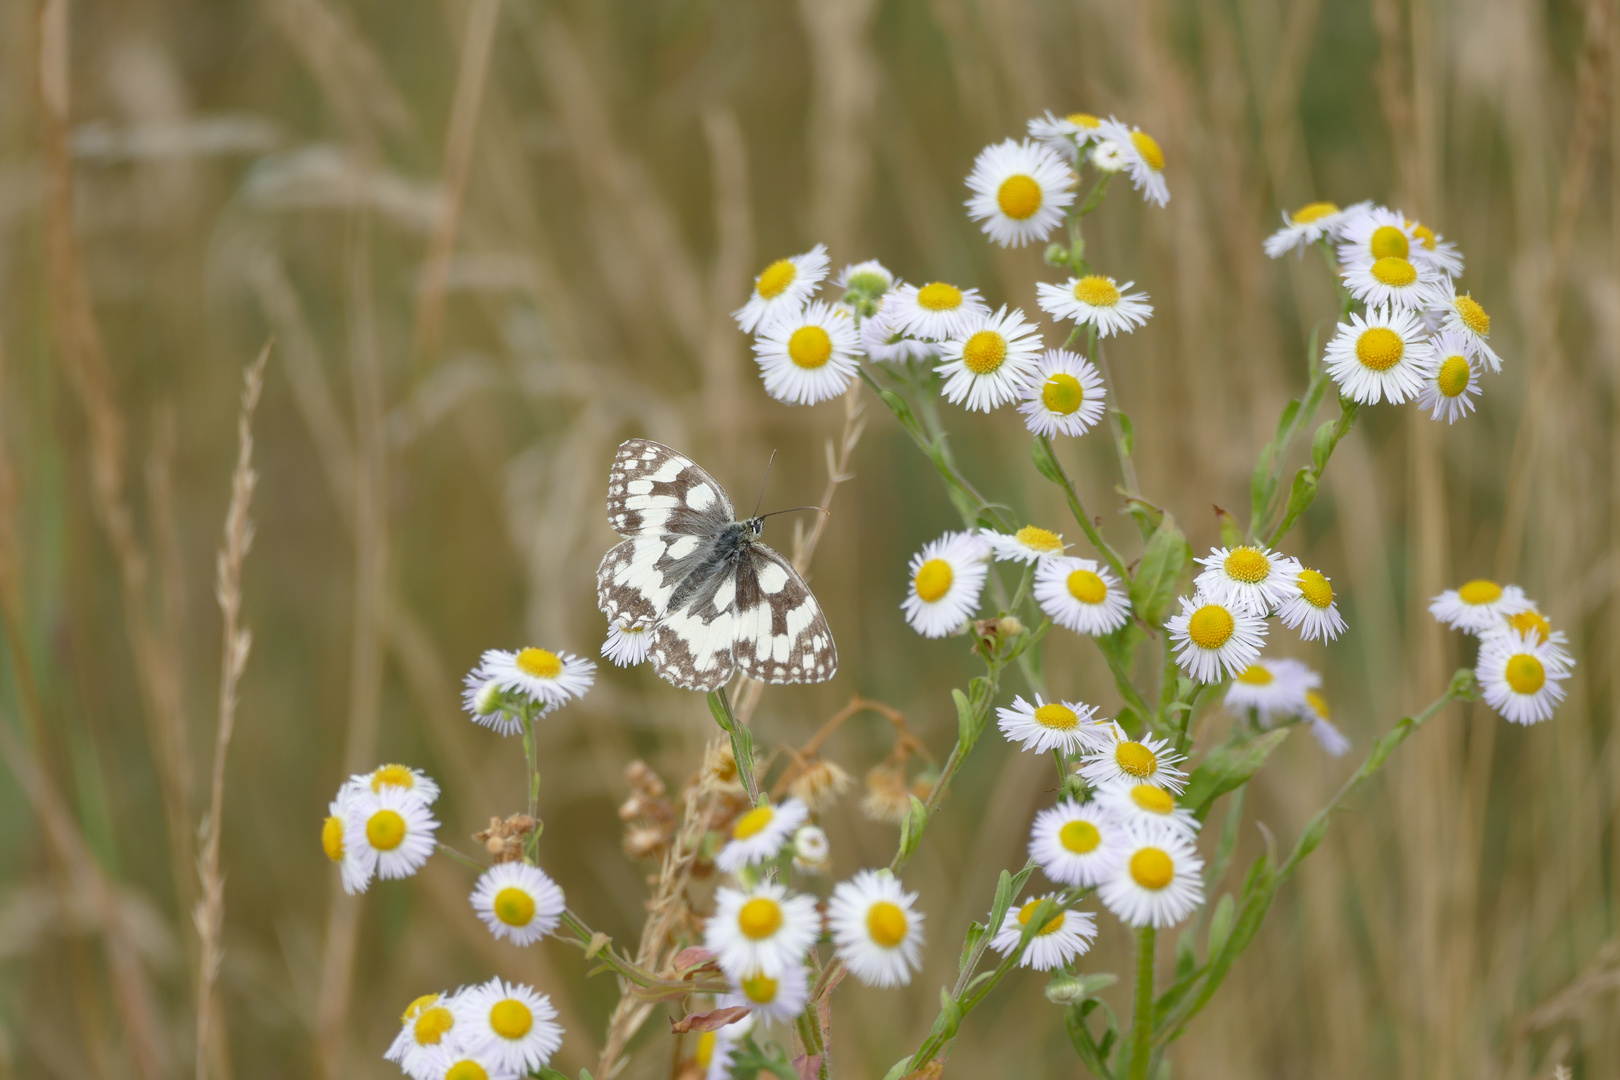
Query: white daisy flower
{"points": [[1370, 233], [1256, 579], [1519, 676], [1531, 621], [422, 1046], [1214, 638], [807, 356], [874, 929], [1070, 726], [1453, 383], [545, 677], [390, 832], [1273, 688], [1064, 395], [936, 311], [1319, 717], [1159, 882], [771, 997], [1311, 609], [882, 342], [518, 902], [1081, 595], [715, 1049], [462, 1064], [628, 643], [485, 702], [1144, 159], [1020, 191], [404, 777], [1108, 156], [1095, 300], [870, 278], [1465, 317], [1132, 761], [763, 930], [1380, 357], [1432, 248], [1137, 805], [986, 366], [1028, 545], [1065, 134], [355, 871], [947, 577], [1479, 605], [515, 1026], [1305, 227], [1066, 934], [811, 851], [759, 834], [783, 287], [1391, 282], [1076, 844]]}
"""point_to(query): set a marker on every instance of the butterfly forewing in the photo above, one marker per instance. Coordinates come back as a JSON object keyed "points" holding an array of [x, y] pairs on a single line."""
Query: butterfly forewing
{"points": [[781, 634], [652, 490]]}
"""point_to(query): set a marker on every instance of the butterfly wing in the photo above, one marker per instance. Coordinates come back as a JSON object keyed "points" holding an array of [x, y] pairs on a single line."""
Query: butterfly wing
{"points": [[653, 490], [780, 631]]}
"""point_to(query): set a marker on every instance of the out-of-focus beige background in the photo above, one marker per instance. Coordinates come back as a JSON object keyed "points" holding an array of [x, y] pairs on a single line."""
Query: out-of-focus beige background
{"points": [[494, 238]]}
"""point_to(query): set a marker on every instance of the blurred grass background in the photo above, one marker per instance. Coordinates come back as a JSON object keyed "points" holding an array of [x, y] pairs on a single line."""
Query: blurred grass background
{"points": [[493, 239]]}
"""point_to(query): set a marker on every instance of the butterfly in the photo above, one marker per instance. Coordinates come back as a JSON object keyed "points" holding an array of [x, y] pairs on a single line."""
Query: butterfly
{"points": [[713, 598]]}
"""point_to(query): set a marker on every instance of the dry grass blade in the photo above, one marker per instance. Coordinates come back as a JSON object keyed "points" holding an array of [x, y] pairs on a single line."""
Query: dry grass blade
{"points": [[238, 640]]}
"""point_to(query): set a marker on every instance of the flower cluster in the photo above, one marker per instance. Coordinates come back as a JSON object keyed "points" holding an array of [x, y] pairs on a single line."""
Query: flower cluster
{"points": [[1522, 660]]}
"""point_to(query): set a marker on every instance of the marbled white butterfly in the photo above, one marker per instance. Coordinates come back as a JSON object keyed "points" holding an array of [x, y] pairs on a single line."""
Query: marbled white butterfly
{"points": [[714, 598]]}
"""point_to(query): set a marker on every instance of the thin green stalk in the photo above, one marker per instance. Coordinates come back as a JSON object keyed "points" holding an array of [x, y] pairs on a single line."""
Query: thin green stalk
{"points": [[742, 741], [1142, 1014], [531, 762], [1060, 477], [1127, 467], [461, 857]]}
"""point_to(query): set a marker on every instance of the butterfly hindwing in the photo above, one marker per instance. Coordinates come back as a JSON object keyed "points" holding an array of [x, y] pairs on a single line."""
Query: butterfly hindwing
{"points": [[653, 489], [781, 634]]}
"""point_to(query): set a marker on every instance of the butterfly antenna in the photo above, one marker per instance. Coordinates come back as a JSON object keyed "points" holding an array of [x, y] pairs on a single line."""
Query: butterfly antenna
{"points": [[794, 510], [760, 501]]}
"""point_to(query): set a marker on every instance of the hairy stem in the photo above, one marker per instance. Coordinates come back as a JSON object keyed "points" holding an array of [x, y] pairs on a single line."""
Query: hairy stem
{"points": [[1142, 1015]]}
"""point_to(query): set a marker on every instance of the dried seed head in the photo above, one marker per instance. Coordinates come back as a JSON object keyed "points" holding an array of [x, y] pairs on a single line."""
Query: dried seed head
{"points": [[820, 784], [887, 799]]}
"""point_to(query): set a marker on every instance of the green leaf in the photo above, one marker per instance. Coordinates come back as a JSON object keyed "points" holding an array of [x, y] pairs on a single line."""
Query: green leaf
{"points": [[1231, 535], [1095, 1057], [967, 723], [911, 829], [1220, 924], [1226, 767], [1045, 463], [1154, 585], [970, 943], [1186, 957], [950, 1014], [1322, 444], [902, 411], [1004, 897], [1260, 487], [898, 1069], [1127, 433]]}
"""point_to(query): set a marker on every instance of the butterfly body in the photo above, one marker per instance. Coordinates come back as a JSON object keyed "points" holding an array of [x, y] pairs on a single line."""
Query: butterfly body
{"points": [[713, 595]]}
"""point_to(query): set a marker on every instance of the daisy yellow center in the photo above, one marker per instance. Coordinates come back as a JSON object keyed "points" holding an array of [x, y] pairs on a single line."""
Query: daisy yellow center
{"points": [[1027, 912], [510, 1019], [1152, 869], [1379, 348], [934, 580], [752, 823], [1392, 270], [775, 279], [1525, 673], [1256, 675], [1084, 120], [886, 923], [1087, 587], [385, 831], [541, 663], [1096, 290], [938, 296], [759, 918], [1315, 211], [1136, 759], [1079, 837], [1033, 536], [414, 1009], [1248, 565], [1153, 800], [332, 838], [1315, 588], [760, 989], [514, 906], [984, 352], [1210, 627], [1318, 704], [810, 347], [1389, 242], [1425, 236], [466, 1069], [1063, 394], [1148, 147], [1057, 716], [1453, 377], [705, 1049], [1526, 621], [392, 776], [432, 1025], [1480, 591], [1473, 315], [1019, 196]]}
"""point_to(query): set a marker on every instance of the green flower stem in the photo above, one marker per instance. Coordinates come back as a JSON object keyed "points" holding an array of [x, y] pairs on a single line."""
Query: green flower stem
{"points": [[574, 929], [1142, 1015], [531, 761], [742, 741], [1306, 481], [461, 857], [1122, 447], [1077, 508]]}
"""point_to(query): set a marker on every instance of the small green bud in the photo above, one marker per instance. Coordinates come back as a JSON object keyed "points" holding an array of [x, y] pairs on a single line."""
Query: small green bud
{"points": [[1057, 255]]}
